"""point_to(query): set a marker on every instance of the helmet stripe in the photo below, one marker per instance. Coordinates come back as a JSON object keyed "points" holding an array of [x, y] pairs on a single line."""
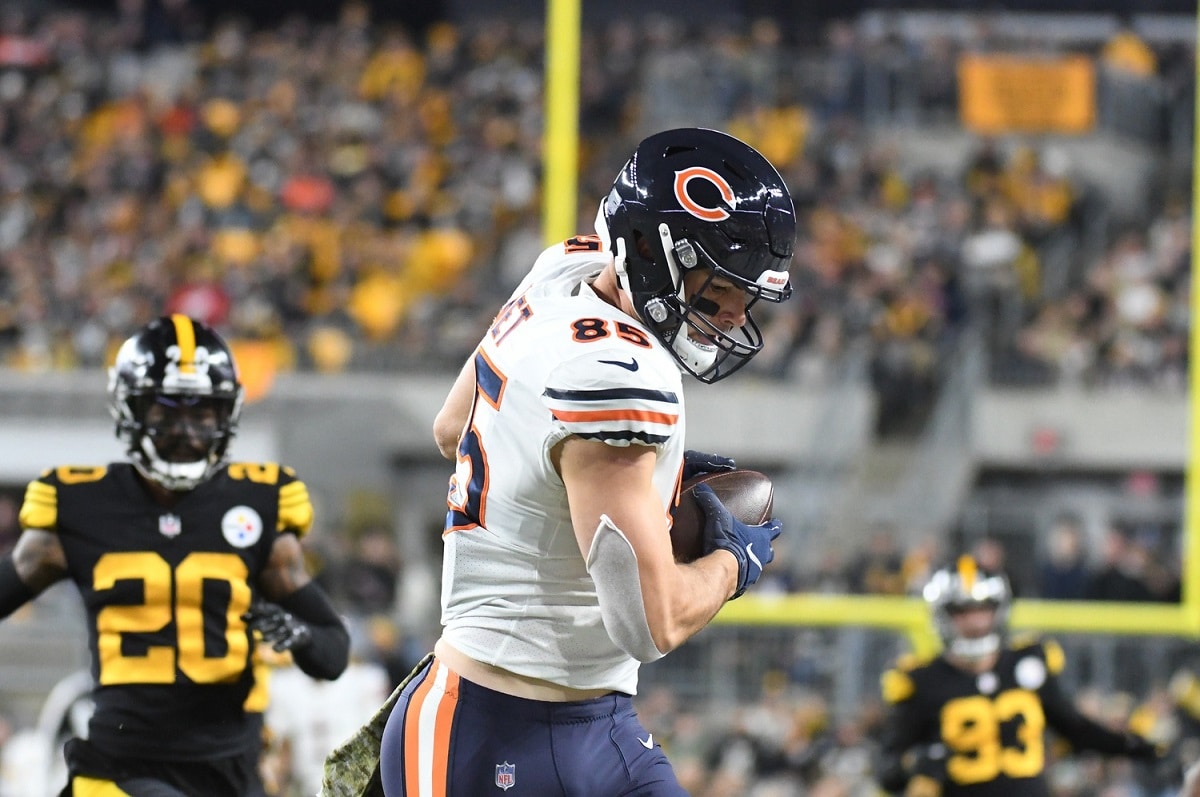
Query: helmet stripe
{"points": [[967, 572], [185, 336]]}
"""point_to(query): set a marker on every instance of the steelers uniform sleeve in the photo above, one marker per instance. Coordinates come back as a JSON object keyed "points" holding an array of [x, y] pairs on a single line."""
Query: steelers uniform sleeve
{"points": [[43, 496], [614, 395], [904, 728], [40, 507], [1082, 732], [295, 506]]}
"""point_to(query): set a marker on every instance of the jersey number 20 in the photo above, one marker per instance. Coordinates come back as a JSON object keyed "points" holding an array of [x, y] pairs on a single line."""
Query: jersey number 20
{"points": [[159, 663]]}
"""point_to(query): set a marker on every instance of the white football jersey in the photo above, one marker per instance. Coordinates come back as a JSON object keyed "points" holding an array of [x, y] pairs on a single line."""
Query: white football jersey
{"points": [[557, 361]]}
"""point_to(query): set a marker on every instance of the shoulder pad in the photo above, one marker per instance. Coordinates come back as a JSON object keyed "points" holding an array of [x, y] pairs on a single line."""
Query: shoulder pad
{"points": [[257, 472], [1025, 639], [1049, 650], [75, 474], [616, 395], [40, 508], [896, 686], [295, 508], [911, 661], [1056, 659]]}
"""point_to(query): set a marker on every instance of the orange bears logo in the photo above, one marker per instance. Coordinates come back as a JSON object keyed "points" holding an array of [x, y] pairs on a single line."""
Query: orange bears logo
{"points": [[684, 177]]}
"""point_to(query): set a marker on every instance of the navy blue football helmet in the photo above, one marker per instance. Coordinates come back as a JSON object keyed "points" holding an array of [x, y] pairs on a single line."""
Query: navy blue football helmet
{"points": [[696, 198], [177, 363]]}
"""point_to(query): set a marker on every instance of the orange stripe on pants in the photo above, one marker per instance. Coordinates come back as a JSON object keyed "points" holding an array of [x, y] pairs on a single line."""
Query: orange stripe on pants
{"points": [[428, 719]]}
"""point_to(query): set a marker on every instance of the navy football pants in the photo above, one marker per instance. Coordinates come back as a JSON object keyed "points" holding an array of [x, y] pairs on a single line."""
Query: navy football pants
{"points": [[448, 737]]}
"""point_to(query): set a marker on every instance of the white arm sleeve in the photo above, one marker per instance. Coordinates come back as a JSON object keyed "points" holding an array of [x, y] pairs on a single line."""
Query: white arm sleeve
{"points": [[613, 566]]}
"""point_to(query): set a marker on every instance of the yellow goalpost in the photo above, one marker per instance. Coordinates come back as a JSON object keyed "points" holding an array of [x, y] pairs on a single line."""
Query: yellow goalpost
{"points": [[904, 615]]}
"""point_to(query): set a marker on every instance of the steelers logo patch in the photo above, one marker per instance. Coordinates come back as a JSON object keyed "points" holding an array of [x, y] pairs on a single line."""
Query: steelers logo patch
{"points": [[1030, 672], [241, 526]]}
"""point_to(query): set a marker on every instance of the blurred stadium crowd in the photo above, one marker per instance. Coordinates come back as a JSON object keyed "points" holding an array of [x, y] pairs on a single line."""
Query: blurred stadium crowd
{"points": [[346, 195], [352, 196]]}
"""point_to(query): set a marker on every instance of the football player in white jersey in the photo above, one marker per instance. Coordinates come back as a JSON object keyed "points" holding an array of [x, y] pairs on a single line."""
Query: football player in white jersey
{"points": [[567, 427]]}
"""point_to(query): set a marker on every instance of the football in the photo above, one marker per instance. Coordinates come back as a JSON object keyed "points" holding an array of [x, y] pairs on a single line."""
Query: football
{"points": [[747, 494]]}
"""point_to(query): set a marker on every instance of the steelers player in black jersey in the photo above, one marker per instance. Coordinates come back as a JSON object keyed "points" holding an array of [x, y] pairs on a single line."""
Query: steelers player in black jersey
{"points": [[973, 721], [180, 557]]}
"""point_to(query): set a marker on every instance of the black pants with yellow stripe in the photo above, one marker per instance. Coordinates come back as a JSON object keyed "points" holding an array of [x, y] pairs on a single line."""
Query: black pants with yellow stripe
{"points": [[93, 774]]}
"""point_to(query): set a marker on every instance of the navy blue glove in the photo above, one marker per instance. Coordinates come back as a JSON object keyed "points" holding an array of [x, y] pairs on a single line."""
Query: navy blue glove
{"points": [[279, 628], [750, 545], [696, 463]]}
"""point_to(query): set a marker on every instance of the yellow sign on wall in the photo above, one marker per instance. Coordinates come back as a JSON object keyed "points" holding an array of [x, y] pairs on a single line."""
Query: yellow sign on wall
{"points": [[1026, 94]]}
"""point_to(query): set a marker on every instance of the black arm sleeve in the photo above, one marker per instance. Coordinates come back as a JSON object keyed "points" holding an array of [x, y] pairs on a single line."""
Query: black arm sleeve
{"points": [[1082, 732], [327, 654], [901, 734], [14, 593]]}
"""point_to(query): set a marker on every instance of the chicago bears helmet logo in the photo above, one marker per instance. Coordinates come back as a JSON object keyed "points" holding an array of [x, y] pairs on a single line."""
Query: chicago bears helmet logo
{"points": [[685, 177]]}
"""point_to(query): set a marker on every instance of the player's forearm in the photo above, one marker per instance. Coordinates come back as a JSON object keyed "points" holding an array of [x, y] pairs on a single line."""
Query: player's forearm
{"points": [[36, 562], [452, 417], [1080, 730], [649, 604], [895, 759], [14, 593], [678, 599], [699, 591], [327, 655]]}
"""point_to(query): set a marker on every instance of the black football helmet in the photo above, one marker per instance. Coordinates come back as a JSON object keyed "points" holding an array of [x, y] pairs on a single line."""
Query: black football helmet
{"points": [[174, 361], [965, 586], [695, 198]]}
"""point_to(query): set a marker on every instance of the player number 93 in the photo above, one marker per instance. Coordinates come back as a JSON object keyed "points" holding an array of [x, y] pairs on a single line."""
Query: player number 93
{"points": [[971, 729]]}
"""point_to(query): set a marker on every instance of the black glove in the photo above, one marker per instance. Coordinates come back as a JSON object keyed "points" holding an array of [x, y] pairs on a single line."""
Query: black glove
{"points": [[750, 545], [279, 628], [696, 463], [928, 762]]}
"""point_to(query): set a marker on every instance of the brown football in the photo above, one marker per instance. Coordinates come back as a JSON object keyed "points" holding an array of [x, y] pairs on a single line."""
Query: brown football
{"points": [[747, 494]]}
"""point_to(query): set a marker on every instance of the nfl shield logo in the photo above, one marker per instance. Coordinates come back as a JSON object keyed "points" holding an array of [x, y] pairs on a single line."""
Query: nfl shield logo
{"points": [[506, 775], [169, 525]]}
